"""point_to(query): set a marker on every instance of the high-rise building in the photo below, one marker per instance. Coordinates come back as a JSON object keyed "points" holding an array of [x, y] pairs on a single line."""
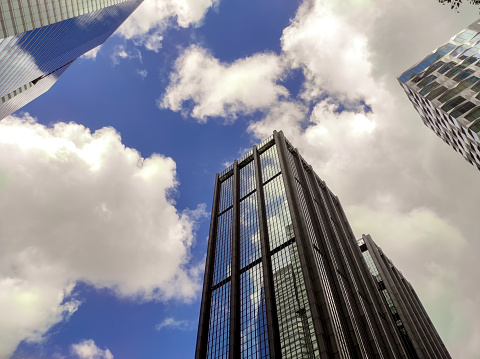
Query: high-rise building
{"points": [[286, 278], [40, 39], [418, 335], [445, 90]]}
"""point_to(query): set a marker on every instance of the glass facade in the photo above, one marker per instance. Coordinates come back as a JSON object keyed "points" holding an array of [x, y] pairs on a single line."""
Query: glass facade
{"points": [[285, 279], [31, 58], [445, 91]]}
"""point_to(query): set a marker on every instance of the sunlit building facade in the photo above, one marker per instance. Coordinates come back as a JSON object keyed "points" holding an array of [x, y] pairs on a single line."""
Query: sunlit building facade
{"points": [[445, 90], [285, 277], [40, 39]]}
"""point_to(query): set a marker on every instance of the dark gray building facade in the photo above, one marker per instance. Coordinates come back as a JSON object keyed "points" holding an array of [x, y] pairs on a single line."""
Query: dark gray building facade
{"points": [[40, 39], [286, 278]]}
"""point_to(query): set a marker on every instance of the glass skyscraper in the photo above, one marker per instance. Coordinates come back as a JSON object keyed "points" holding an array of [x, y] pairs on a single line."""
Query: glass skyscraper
{"points": [[445, 90], [286, 278], [40, 39]]}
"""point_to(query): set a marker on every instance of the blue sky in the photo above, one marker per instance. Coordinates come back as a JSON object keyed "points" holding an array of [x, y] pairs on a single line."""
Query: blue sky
{"points": [[113, 204]]}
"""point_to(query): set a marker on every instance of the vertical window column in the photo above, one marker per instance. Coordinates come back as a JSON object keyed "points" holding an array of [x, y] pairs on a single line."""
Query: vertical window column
{"points": [[306, 259], [270, 305], [205, 306], [235, 293]]}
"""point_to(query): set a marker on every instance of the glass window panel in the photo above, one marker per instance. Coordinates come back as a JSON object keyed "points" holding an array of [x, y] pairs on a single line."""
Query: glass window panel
{"points": [[270, 163], [463, 75], [436, 92], [250, 248], [219, 326], [475, 127], [460, 110], [446, 67], [226, 194], [455, 70], [428, 88], [279, 222], [247, 179], [427, 62], [294, 318], [458, 89], [452, 103], [426, 80], [459, 50], [253, 318], [472, 116], [465, 36], [223, 250]]}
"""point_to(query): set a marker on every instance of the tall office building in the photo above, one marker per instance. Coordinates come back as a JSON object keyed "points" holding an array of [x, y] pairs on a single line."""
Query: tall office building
{"points": [[40, 39], [445, 90], [416, 331], [286, 278]]}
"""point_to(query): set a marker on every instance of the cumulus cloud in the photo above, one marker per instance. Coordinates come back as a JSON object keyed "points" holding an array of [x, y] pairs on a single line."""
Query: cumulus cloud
{"points": [[220, 89], [92, 54], [88, 350], [171, 323], [80, 206], [148, 23]]}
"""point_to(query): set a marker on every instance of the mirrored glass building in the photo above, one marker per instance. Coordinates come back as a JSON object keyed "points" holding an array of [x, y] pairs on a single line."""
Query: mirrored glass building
{"points": [[286, 278], [445, 90], [40, 39]]}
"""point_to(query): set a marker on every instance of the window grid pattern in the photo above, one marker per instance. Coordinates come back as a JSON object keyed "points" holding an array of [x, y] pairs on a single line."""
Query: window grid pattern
{"points": [[279, 222], [348, 286], [35, 54], [344, 284], [303, 203], [226, 194], [293, 166], [20, 16], [390, 305], [253, 318], [223, 251], [332, 308], [295, 323], [247, 179], [269, 163], [250, 249], [219, 326]]}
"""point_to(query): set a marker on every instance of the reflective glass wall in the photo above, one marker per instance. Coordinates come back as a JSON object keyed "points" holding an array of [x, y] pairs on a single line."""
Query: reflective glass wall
{"points": [[31, 61]]}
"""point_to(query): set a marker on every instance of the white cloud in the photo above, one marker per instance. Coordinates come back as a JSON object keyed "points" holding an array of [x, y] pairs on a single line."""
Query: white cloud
{"points": [[174, 324], [219, 89], [81, 206], [148, 23], [88, 350], [92, 54], [120, 52], [143, 73]]}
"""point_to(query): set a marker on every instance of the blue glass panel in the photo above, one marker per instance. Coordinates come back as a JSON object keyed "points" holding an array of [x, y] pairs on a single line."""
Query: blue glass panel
{"points": [[269, 163], [219, 328], [427, 62], [250, 249], [223, 250], [253, 319]]}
